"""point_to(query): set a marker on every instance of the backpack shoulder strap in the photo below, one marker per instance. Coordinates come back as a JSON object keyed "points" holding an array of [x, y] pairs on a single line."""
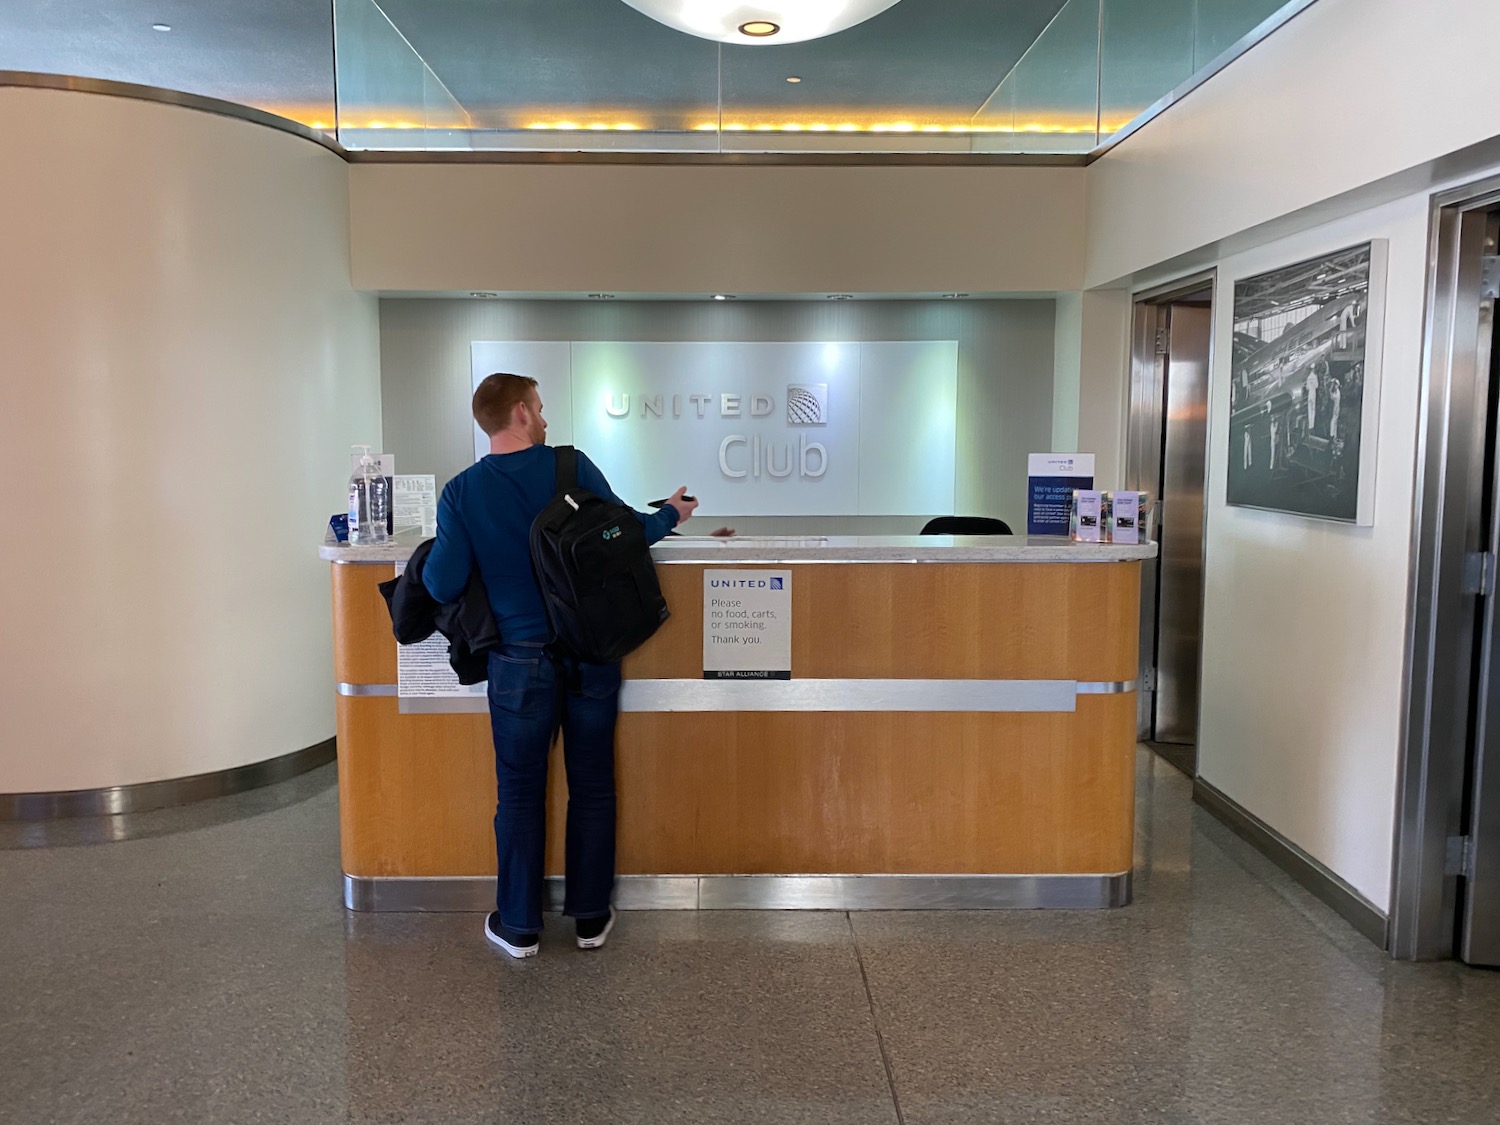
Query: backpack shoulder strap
{"points": [[567, 468]]}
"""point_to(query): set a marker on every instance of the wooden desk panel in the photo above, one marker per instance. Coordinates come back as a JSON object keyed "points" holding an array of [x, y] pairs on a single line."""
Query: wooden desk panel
{"points": [[364, 649], [1031, 621], [785, 793]]}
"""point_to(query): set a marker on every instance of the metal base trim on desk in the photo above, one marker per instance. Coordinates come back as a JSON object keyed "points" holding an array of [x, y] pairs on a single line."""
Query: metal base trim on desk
{"points": [[462, 893], [116, 800], [682, 695]]}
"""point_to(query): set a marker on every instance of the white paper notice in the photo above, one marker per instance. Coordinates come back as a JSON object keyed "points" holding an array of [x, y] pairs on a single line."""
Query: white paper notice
{"points": [[747, 625], [415, 503], [423, 671]]}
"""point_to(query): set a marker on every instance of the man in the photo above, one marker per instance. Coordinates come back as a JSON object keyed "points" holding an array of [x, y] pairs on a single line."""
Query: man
{"points": [[484, 518], [1312, 399]]}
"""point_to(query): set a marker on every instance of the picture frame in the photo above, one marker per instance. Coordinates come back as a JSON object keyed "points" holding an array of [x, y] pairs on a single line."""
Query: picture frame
{"points": [[1304, 403]]}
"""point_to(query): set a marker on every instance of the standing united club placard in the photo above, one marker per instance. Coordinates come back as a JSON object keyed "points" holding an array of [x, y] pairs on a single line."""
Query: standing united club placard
{"points": [[747, 625], [1051, 479]]}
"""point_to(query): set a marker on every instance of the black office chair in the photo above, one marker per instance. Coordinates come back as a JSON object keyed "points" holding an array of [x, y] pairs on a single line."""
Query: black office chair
{"points": [[966, 525]]}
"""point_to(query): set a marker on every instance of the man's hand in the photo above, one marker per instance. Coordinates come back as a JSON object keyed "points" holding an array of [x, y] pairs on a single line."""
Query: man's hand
{"points": [[723, 533], [685, 508]]}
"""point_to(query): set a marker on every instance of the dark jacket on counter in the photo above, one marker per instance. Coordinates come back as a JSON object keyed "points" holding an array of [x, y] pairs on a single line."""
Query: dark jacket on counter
{"points": [[467, 622]]}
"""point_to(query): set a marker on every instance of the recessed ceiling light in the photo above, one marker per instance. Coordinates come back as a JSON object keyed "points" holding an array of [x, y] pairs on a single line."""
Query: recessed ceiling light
{"points": [[841, 296], [759, 29], [161, 27], [794, 78], [720, 297]]}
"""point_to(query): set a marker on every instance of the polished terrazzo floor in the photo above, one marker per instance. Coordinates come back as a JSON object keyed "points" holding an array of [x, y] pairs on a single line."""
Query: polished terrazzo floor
{"points": [[201, 970]]}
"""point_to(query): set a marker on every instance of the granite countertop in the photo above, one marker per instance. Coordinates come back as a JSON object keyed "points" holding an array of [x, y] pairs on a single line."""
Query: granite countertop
{"points": [[818, 548]]}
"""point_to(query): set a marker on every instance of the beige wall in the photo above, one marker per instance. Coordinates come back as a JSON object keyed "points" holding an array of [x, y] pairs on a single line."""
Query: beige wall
{"points": [[1067, 368], [1304, 628], [1332, 132], [183, 366], [655, 229], [1103, 360], [1004, 387], [1351, 92]]}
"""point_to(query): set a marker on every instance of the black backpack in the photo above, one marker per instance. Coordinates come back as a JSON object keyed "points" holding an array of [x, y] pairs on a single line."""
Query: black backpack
{"points": [[594, 568]]}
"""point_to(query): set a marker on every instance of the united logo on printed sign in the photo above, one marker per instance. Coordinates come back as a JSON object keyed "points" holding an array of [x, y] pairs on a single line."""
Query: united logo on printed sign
{"points": [[807, 404], [776, 584]]}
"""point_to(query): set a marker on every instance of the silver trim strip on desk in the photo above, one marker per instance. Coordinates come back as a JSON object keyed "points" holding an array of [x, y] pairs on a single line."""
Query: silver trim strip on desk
{"points": [[367, 689], [971, 696], [444, 704], [854, 695], [476, 893], [117, 800], [1105, 687]]}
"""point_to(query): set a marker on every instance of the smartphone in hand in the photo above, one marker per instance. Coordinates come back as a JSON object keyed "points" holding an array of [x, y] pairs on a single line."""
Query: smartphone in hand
{"points": [[663, 503]]}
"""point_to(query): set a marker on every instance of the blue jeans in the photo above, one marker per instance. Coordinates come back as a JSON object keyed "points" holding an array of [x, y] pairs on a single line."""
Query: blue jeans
{"points": [[530, 696]]}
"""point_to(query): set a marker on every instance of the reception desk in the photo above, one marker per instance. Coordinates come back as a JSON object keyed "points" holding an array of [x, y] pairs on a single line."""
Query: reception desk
{"points": [[958, 732]]}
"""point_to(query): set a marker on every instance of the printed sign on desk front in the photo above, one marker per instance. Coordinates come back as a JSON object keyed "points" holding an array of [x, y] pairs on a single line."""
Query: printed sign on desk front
{"points": [[1052, 477], [747, 625], [423, 671]]}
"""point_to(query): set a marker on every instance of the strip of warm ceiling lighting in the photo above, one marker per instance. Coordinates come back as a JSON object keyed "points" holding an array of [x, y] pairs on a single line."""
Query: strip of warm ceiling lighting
{"points": [[1062, 124]]}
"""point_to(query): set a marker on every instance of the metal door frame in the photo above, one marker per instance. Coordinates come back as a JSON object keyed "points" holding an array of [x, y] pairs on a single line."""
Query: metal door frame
{"points": [[1145, 433], [1440, 615]]}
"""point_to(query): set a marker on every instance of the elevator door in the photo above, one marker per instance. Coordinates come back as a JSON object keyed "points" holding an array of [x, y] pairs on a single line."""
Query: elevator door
{"points": [[1478, 938], [1179, 598]]}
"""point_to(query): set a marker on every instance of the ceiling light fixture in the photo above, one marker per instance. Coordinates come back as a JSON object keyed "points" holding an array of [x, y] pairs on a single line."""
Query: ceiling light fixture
{"points": [[841, 296], [794, 78], [760, 21], [161, 27]]}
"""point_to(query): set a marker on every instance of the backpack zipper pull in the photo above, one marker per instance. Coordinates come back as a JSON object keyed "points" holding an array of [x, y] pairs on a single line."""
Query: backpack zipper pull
{"points": [[571, 501]]}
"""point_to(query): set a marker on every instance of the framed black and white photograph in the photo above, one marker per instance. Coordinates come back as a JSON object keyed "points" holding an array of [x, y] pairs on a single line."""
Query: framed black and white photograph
{"points": [[1305, 386]]}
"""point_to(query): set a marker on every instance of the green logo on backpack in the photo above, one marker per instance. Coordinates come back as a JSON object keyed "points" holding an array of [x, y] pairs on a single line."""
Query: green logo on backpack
{"points": [[612, 533]]}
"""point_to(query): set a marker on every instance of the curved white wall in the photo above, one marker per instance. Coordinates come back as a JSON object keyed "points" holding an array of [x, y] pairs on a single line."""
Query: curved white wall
{"points": [[183, 365]]}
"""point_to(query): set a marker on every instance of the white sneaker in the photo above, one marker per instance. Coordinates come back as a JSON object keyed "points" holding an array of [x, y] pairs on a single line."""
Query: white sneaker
{"points": [[517, 945], [598, 939]]}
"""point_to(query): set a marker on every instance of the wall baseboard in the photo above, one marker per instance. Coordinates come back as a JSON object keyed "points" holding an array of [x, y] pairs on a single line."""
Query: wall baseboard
{"points": [[1348, 903], [116, 800]]}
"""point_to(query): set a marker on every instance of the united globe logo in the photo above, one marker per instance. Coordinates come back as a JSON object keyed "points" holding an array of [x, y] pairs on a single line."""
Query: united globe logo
{"points": [[807, 404]]}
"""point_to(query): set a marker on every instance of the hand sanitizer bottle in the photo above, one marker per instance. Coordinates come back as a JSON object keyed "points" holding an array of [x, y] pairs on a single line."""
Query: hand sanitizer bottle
{"points": [[365, 529]]}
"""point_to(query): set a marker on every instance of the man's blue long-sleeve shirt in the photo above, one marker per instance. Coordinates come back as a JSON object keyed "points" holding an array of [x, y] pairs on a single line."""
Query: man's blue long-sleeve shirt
{"points": [[484, 517]]}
